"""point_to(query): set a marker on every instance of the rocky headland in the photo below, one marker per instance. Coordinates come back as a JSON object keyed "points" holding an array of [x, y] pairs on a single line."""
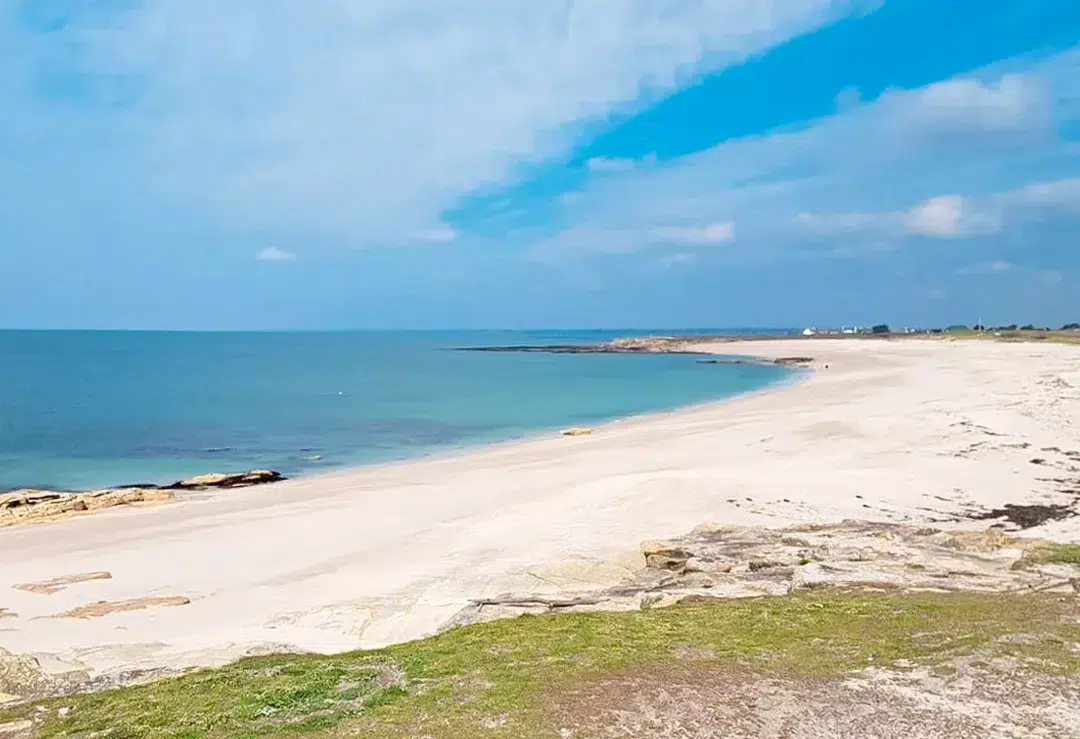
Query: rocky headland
{"points": [[688, 345]]}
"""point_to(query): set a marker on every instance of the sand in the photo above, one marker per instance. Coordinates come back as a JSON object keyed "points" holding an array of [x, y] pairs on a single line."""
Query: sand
{"points": [[903, 431]]}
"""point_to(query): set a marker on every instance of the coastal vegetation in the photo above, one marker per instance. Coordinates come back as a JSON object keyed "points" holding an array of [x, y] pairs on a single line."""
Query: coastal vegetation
{"points": [[586, 674], [915, 623]]}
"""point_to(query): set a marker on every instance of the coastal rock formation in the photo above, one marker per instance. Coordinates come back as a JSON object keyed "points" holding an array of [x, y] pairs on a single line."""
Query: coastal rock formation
{"points": [[227, 480], [794, 361], [690, 345], [23, 677], [716, 562], [103, 608], [55, 585], [635, 345], [37, 506], [41, 506], [782, 361], [577, 431]]}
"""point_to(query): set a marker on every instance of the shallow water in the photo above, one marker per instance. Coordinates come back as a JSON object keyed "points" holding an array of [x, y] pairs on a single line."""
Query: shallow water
{"points": [[90, 409]]}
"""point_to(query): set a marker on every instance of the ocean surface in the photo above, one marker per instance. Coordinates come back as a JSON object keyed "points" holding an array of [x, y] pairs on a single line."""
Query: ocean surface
{"points": [[83, 410]]}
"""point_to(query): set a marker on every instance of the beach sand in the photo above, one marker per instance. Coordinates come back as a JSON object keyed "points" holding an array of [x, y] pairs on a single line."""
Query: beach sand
{"points": [[905, 431]]}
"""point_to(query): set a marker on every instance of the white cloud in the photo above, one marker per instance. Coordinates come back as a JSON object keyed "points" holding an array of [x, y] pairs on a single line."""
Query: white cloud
{"points": [[273, 254], [367, 119], [1063, 194], [713, 233], [439, 235], [675, 260], [866, 179], [995, 267], [583, 241], [950, 217], [1012, 102], [832, 224]]}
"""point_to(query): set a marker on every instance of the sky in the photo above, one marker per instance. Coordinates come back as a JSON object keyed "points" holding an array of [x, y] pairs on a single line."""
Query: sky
{"points": [[392, 164]]}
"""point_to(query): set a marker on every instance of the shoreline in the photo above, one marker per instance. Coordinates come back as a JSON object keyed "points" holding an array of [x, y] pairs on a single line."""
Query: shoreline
{"points": [[902, 432], [454, 450]]}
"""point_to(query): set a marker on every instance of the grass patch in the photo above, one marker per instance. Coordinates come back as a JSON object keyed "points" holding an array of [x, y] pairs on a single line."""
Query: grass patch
{"points": [[493, 679], [1066, 554]]}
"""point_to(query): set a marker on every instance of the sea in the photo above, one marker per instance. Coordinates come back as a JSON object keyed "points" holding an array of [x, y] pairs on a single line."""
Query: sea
{"points": [[85, 410]]}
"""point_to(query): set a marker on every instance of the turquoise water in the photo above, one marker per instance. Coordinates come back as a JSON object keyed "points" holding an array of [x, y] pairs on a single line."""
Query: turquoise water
{"points": [[91, 409]]}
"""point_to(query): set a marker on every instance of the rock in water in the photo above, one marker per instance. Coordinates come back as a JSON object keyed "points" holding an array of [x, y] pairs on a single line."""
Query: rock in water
{"points": [[228, 480]]}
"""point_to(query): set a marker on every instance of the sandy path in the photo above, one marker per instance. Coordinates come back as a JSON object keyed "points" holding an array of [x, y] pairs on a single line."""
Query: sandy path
{"points": [[898, 431]]}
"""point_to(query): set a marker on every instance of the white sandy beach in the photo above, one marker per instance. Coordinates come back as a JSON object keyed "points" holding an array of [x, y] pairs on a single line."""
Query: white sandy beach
{"points": [[890, 431]]}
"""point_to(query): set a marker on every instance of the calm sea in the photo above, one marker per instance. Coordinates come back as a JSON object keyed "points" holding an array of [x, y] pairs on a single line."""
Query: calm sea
{"points": [[82, 410]]}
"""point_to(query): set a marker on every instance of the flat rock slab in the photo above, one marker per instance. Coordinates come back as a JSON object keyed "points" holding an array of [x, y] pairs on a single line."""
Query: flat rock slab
{"points": [[49, 587], [107, 608], [44, 506], [722, 562], [36, 506]]}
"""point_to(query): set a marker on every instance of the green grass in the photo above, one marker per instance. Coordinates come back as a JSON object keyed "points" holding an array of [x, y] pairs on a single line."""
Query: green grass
{"points": [[493, 679], [1066, 554], [1052, 337]]}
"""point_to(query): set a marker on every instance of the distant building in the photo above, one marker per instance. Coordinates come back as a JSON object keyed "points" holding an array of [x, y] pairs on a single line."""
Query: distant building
{"points": [[808, 332]]}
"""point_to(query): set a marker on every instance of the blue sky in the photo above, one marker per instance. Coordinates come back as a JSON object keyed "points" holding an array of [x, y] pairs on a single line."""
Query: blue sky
{"points": [[505, 163]]}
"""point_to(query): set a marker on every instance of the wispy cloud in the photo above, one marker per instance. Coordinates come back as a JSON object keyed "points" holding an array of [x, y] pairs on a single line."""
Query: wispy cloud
{"points": [[974, 158], [367, 120], [995, 267], [273, 254], [1014, 102], [713, 233], [1059, 194], [439, 235], [950, 217], [616, 164], [677, 259]]}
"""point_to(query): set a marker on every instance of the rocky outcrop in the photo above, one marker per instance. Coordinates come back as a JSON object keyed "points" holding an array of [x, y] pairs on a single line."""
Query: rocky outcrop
{"points": [[690, 345], [104, 608], [42, 506], [56, 584], [636, 345], [23, 677], [717, 562], [37, 506], [227, 480]]}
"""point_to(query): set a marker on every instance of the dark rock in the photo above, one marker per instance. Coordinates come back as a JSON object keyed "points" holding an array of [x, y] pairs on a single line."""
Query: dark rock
{"points": [[580, 349], [227, 480], [1027, 516]]}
